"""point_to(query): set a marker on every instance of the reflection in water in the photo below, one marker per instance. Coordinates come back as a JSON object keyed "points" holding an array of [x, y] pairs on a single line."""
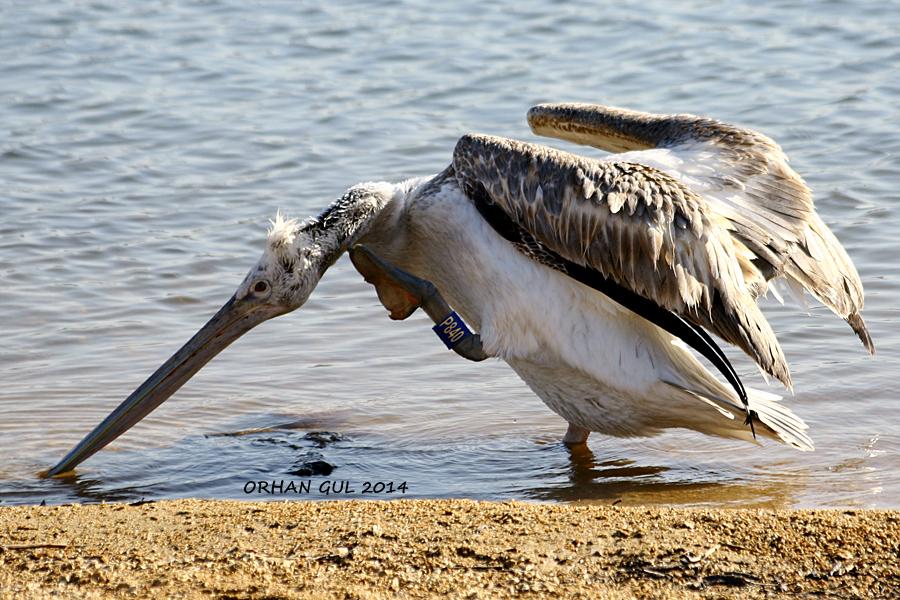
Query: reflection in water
{"points": [[622, 481], [73, 486], [83, 488]]}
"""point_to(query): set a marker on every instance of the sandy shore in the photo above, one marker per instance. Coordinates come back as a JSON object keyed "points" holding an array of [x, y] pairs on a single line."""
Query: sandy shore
{"points": [[429, 548]]}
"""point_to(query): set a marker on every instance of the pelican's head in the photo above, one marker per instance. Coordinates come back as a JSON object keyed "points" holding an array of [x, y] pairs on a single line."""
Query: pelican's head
{"points": [[288, 270], [295, 258]]}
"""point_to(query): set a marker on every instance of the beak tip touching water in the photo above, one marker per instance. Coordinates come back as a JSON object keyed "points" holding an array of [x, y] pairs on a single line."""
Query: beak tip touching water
{"points": [[57, 471]]}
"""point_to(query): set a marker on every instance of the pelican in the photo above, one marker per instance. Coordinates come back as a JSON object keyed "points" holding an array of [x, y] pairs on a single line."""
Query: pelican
{"points": [[596, 279]]}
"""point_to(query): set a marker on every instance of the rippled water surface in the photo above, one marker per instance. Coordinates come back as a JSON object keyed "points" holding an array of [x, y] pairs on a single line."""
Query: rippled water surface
{"points": [[143, 146]]}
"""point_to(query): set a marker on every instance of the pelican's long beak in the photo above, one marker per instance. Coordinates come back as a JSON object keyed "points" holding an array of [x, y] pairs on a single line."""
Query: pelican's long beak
{"points": [[234, 319]]}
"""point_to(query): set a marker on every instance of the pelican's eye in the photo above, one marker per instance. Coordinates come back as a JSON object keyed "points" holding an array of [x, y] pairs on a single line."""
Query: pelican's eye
{"points": [[260, 287]]}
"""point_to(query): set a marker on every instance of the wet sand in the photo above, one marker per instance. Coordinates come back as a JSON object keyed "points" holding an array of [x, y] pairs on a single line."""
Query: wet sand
{"points": [[429, 548]]}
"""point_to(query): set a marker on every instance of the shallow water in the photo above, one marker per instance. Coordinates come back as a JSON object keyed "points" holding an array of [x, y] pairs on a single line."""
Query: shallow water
{"points": [[144, 146]]}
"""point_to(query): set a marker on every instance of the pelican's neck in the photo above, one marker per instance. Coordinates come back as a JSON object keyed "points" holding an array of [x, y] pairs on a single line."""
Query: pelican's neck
{"points": [[366, 209], [346, 220], [369, 213]]}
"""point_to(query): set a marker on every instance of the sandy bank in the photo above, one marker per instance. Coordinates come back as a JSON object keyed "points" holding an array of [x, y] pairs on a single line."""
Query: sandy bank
{"points": [[414, 549]]}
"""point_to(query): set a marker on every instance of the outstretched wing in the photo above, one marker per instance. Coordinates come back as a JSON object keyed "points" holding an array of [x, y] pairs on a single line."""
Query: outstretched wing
{"points": [[745, 178], [631, 225]]}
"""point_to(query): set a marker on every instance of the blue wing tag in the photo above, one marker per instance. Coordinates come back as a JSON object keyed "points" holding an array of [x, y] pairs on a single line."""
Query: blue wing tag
{"points": [[452, 330]]}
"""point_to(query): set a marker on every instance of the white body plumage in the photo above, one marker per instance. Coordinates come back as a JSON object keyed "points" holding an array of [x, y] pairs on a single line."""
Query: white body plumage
{"points": [[592, 361]]}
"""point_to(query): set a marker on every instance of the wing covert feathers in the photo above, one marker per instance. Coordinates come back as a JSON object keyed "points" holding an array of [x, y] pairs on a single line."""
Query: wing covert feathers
{"points": [[634, 225], [746, 180]]}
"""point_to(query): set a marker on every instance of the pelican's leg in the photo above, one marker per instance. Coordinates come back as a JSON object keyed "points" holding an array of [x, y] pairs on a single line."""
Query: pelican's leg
{"points": [[402, 293], [575, 435]]}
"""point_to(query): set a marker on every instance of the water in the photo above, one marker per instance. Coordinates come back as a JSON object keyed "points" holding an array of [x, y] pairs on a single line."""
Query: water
{"points": [[144, 145]]}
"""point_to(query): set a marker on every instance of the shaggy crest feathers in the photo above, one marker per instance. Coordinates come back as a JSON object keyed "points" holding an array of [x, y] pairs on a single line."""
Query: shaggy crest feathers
{"points": [[281, 235]]}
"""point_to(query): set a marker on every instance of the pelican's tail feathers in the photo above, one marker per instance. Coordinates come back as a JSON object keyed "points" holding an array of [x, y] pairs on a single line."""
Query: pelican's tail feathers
{"points": [[772, 419], [778, 420]]}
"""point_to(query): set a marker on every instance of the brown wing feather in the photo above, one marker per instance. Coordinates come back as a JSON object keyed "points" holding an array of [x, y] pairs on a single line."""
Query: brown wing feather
{"points": [[749, 182], [634, 225]]}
